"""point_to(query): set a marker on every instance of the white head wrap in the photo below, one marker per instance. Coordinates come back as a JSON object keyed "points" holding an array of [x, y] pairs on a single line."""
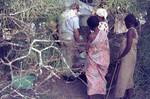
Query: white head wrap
{"points": [[101, 12]]}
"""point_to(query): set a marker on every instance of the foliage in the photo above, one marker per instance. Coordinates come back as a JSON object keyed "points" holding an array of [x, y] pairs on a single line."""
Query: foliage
{"points": [[32, 9], [136, 7], [142, 75], [117, 6]]}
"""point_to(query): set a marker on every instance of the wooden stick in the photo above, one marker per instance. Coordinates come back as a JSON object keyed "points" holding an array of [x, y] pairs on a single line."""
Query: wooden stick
{"points": [[116, 66]]}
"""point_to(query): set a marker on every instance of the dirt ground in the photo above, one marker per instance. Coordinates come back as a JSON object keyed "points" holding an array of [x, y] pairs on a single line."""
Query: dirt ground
{"points": [[62, 90], [53, 88]]}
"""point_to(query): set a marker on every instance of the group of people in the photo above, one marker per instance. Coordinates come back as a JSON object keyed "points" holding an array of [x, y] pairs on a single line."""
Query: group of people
{"points": [[98, 51]]}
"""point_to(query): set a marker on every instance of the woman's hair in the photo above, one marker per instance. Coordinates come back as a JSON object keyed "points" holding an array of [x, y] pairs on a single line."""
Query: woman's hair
{"points": [[93, 22], [74, 6], [130, 20]]}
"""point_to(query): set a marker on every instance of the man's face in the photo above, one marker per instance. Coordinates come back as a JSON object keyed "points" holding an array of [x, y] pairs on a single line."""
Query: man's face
{"points": [[76, 11]]}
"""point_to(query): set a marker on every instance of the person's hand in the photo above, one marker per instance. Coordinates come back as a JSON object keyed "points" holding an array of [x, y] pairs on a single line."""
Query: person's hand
{"points": [[81, 49], [78, 41], [118, 61]]}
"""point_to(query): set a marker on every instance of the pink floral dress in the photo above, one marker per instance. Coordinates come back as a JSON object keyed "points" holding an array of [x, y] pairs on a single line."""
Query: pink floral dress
{"points": [[98, 60]]}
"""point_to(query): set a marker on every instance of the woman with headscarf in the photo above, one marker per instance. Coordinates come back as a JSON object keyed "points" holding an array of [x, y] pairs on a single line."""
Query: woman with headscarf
{"points": [[98, 56], [102, 16]]}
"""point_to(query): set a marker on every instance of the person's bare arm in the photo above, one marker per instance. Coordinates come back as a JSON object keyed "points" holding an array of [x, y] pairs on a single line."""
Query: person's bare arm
{"points": [[58, 28], [76, 35], [89, 40], [130, 35]]}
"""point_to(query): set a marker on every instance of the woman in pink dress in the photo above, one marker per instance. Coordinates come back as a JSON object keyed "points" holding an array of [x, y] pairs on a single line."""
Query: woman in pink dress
{"points": [[98, 57]]}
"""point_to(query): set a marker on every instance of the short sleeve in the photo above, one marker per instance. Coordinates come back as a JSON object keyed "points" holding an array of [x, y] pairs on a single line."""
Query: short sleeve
{"points": [[76, 23]]}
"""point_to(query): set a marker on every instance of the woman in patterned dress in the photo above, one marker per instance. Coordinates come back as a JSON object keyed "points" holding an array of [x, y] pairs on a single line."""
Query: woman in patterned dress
{"points": [[98, 57]]}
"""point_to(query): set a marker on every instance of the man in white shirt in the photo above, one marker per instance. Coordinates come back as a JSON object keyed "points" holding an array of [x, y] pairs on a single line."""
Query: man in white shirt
{"points": [[70, 35]]}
